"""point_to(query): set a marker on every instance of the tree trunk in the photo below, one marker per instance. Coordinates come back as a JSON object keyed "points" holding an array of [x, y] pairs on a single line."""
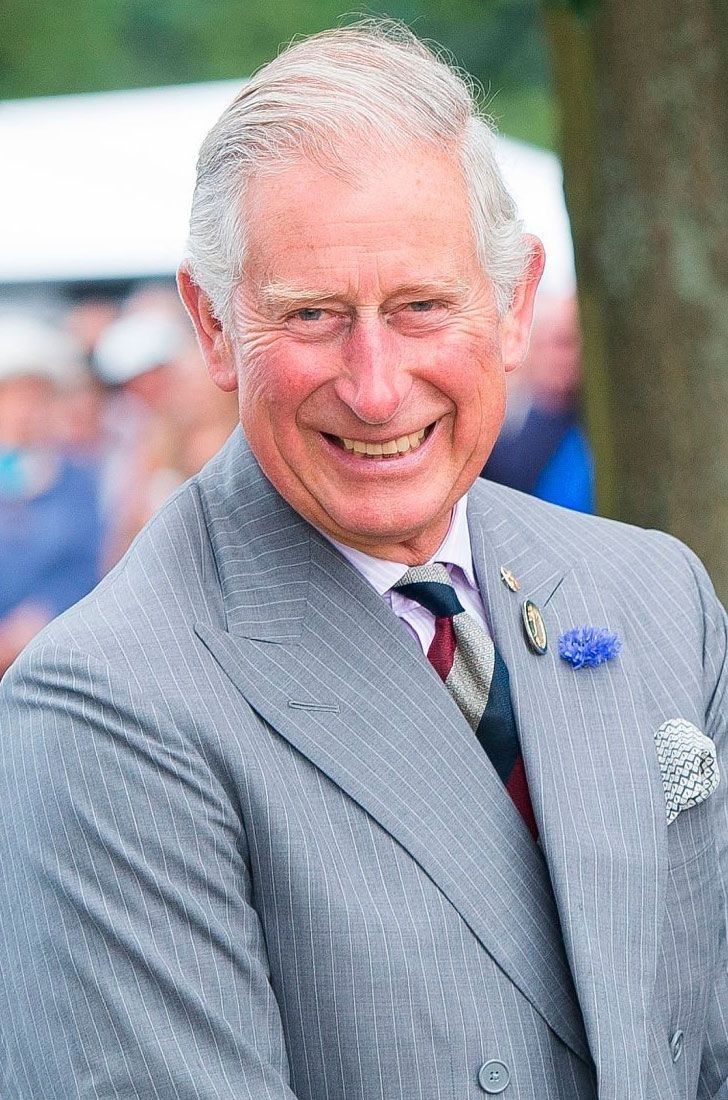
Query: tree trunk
{"points": [[644, 100]]}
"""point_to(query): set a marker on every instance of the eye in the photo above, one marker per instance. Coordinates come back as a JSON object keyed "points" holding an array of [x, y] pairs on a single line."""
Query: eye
{"points": [[419, 317], [309, 313], [315, 322]]}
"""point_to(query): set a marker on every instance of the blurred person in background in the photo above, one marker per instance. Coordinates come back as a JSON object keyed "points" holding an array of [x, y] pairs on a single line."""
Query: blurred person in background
{"points": [[542, 448], [207, 416], [82, 426], [50, 529], [86, 321], [165, 418]]}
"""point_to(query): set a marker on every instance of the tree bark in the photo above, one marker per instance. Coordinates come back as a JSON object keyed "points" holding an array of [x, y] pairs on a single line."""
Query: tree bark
{"points": [[643, 90]]}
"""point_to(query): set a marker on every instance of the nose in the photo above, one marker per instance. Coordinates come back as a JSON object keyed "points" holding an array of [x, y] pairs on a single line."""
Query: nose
{"points": [[374, 381]]}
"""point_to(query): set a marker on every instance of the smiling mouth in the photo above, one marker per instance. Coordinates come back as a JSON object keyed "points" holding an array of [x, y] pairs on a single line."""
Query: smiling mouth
{"points": [[389, 448]]}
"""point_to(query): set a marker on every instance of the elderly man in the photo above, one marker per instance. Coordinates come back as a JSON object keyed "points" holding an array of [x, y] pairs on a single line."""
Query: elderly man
{"points": [[350, 782]]}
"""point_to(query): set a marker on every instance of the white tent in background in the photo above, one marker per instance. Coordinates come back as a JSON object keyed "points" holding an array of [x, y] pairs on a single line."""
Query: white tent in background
{"points": [[99, 186]]}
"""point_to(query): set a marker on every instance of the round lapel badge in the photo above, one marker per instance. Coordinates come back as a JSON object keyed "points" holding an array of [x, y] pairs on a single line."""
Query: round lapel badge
{"points": [[535, 627]]}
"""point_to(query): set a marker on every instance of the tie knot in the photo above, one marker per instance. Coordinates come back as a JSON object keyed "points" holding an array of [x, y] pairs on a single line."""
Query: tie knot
{"points": [[430, 586]]}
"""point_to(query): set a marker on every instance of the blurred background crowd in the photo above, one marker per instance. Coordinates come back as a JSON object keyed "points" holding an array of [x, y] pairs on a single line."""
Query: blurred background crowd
{"points": [[105, 408]]}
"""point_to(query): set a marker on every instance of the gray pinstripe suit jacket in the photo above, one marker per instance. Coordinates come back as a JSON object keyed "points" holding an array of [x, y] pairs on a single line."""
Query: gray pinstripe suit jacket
{"points": [[251, 849]]}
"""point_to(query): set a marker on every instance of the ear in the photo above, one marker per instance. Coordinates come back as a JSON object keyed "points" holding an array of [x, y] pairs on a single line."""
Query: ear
{"points": [[215, 348], [516, 325]]}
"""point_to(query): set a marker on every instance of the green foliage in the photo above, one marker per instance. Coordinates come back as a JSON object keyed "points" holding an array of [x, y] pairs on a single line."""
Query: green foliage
{"points": [[96, 45]]}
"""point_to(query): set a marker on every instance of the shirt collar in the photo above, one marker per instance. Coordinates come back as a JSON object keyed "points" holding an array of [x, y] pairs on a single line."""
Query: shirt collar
{"points": [[453, 551]]}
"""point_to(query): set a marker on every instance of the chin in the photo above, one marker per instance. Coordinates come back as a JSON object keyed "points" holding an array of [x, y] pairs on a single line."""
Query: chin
{"points": [[386, 525]]}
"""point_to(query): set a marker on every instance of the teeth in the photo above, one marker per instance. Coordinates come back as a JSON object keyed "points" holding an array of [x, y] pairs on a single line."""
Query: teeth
{"points": [[400, 446]]}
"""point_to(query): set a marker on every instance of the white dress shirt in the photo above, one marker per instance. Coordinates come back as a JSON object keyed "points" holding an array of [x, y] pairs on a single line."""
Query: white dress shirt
{"points": [[454, 553]]}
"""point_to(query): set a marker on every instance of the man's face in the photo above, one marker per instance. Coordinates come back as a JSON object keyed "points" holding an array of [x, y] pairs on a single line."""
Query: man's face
{"points": [[363, 324]]}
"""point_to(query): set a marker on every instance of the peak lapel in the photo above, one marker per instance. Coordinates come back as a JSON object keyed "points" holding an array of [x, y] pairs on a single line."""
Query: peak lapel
{"points": [[593, 776], [339, 676]]}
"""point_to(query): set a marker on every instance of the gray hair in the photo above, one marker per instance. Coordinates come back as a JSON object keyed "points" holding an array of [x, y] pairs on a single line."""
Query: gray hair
{"points": [[373, 85]]}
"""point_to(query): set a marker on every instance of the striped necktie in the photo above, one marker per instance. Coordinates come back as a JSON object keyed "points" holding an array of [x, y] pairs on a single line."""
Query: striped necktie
{"points": [[466, 660]]}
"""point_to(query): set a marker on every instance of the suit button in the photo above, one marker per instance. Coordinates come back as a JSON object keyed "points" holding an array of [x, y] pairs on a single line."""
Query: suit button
{"points": [[494, 1076], [676, 1045]]}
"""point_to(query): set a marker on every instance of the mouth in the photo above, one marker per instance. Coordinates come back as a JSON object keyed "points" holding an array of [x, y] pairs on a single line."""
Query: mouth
{"points": [[386, 449]]}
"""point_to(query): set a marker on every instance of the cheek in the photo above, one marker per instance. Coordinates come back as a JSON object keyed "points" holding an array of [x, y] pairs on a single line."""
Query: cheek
{"points": [[275, 382], [471, 374]]}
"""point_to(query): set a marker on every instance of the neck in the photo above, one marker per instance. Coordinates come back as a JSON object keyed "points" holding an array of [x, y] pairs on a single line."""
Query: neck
{"points": [[409, 551]]}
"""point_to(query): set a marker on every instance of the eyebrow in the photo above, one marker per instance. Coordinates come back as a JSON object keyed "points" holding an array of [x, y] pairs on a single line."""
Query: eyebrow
{"points": [[278, 294]]}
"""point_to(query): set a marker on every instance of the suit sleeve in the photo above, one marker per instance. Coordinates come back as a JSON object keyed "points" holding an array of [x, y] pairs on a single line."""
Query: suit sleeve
{"points": [[132, 960], [714, 1068]]}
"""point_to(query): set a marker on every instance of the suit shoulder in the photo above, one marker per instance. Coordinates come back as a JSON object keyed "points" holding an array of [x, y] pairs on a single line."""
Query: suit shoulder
{"points": [[574, 534], [613, 552]]}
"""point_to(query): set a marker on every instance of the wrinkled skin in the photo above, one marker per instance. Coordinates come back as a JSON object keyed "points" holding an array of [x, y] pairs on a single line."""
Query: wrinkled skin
{"points": [[363, 313]]}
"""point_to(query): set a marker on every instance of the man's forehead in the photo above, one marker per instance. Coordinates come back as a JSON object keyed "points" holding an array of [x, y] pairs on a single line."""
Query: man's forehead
{"points": [[313, 235], [419, 187]]}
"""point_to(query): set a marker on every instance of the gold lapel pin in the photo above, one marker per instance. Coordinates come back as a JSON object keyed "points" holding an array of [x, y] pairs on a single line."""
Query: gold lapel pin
{"points": [[535, 627], [509, 579]]}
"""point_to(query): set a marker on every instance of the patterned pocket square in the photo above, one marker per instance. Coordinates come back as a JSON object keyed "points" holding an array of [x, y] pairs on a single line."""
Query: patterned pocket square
{"points": [[688, 764]]}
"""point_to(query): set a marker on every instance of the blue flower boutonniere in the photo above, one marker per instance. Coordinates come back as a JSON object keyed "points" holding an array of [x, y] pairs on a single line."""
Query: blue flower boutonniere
{"points": [[588, 646]]}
